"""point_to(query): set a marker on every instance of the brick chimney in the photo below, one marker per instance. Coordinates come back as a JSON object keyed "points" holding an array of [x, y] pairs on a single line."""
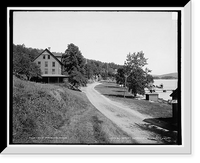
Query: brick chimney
{"points": [[49, 48]]}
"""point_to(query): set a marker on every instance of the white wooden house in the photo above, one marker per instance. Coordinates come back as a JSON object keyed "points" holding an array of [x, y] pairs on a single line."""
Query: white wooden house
{"points": [[50, 65]]}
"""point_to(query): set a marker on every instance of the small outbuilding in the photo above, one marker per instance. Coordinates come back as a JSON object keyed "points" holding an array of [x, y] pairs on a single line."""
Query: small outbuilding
{"points": [[152, 96]]}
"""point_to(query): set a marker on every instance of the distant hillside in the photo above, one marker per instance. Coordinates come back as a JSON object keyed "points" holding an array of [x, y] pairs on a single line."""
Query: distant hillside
{"points": [[166, 76]]}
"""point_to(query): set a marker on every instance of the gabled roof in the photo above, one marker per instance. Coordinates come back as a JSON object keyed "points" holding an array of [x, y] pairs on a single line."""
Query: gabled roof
{"points": [[50, 54]]}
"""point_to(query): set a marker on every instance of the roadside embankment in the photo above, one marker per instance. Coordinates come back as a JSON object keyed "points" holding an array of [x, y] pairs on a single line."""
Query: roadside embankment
{"points": [[46, 113]]}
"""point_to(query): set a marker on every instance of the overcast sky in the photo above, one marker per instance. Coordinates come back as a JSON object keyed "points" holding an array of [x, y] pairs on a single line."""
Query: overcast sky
{"points": [[103, 36]]}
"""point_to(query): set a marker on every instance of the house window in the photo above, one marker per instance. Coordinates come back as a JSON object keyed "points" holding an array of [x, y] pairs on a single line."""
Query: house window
{"points": [[48, 56], [46, 64], [53, 64], [43, 56], [39, 63], [53, 71], [45, 71]]}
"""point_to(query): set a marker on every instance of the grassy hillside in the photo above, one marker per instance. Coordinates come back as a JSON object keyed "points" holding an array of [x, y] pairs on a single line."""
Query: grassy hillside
{"points": [[45, 113]]}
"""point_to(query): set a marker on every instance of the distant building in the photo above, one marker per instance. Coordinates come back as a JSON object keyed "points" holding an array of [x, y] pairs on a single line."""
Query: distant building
{"points": [[51, 66]]}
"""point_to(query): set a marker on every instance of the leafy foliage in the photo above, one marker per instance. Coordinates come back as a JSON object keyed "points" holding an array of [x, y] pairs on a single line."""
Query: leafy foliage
{"points": [[137, 78], [77, 79], [80, 70], [74, 63], [135, 60], [101, 69], [22, 62], [89, 69], [120, 78], [136, 81]]}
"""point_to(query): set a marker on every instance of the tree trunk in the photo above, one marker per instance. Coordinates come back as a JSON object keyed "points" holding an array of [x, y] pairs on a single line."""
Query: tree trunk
{"points": [[29, 78]]}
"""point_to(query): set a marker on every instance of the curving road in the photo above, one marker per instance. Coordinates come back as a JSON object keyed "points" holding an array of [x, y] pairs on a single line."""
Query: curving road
{"points": [[124, 117]]}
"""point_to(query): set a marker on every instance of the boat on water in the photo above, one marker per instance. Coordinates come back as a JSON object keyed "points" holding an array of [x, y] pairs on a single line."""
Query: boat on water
{"points": [[159, 86]]}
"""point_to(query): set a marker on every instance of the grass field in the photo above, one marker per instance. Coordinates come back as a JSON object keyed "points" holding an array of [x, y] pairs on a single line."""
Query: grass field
{"points": [[116, 93], [46, 113], [161, 113]]}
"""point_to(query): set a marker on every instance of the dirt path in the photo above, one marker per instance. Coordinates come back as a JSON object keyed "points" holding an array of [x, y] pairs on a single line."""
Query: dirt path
{"points": [[127, 119]]}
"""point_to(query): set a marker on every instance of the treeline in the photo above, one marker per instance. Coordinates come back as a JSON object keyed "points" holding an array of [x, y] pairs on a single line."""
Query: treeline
{"points": [[23, 66], [78, 68], [97, 69]]}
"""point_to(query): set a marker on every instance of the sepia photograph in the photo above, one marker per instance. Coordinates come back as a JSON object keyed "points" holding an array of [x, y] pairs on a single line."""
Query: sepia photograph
{"points": [[95, 77]]}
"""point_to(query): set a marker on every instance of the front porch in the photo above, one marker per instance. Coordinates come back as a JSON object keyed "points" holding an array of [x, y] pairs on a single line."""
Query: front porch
{"points": [[53, 78]]}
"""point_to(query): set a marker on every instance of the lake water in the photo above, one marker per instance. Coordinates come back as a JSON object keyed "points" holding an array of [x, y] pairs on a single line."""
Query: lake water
{"points": [[168, 85]]}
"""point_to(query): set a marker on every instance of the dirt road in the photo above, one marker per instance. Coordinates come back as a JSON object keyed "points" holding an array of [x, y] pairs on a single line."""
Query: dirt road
{"points": [[125, 118]]}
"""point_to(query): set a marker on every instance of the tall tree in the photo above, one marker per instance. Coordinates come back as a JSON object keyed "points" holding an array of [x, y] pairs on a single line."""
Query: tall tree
{"points": [[137, 77], [135, 60], [74, 63], [136, 81]]}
